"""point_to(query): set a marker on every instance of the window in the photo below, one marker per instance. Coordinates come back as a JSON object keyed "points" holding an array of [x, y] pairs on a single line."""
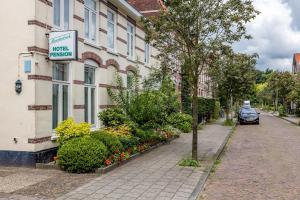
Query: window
{"points": [[130, 40], [147, 53], [89, 94], [90, 14], [130, 80], [60, 94], [111, 29], [61, 14]]}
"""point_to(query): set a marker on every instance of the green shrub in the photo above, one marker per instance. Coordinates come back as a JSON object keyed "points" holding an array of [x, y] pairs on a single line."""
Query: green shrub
{"points": [[228, 122], [188, 162], [282, 111], [217, 110], [112, 117], [150, 109], [129, 141], [181, 121], [206, 107], [146, 136], [83, 154], [110, 141], [69, 129]]}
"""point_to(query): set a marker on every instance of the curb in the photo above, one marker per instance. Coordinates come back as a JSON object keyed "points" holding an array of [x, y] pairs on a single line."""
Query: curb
{"points": [[292, 122], [200, 185]]}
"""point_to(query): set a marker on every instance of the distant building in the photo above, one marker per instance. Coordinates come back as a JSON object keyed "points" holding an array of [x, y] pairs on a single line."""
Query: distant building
{"points": [[296, 63]]}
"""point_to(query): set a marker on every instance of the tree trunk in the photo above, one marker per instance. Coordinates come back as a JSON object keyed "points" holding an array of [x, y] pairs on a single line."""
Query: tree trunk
{"points": [[195, 122]]}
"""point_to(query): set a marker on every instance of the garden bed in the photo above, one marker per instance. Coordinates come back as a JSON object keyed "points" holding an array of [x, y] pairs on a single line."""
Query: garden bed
{"points": [[103, 170]]}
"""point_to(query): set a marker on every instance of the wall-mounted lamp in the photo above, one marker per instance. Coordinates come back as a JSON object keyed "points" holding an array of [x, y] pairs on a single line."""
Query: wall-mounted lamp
{"points": [[18, 86]]}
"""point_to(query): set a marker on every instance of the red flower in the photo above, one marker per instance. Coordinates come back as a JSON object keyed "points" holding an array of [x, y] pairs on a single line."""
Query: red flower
{"points": [[107, 162], [117, 151], [122, 155]]}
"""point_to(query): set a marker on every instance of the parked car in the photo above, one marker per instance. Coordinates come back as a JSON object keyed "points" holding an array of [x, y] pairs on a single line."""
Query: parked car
{"points": [[248, 116]]}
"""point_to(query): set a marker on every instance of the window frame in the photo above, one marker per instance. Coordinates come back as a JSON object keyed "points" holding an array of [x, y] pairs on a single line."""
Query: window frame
{"points": [[114, 49], [130, 44], [61, 84], [147, 53], [90, 87], [89, 38], [62, 16]]}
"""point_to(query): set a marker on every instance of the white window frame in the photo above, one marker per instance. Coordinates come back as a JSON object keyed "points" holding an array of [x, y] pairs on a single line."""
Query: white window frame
{"points": [[62, 11], [90, 31], [60, 95], [90, 87], [130, 41], [147, 53], [114, 49]]}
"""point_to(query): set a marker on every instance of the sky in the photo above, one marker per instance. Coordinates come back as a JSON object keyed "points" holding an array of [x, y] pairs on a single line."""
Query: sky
{"points": [[275, 32]]}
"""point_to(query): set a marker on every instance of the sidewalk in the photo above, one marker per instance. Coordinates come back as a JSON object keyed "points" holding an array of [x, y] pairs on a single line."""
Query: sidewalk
{"points": [[156, 175], [292, 119]]}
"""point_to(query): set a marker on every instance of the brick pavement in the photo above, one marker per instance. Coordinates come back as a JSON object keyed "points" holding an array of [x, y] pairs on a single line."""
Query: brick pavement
{"points": [[262, 162], [156, 175]]}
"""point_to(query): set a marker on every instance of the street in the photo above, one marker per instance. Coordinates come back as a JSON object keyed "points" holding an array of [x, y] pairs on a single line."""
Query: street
{"points": [[261, 162]]}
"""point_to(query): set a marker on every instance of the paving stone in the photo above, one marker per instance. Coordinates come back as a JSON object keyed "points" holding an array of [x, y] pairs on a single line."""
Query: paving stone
{"points": [[155, 175], [262, 162]]}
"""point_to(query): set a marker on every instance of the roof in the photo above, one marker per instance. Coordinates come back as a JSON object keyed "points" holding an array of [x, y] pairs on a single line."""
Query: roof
{"points": [[133, 12], [147, 7]]}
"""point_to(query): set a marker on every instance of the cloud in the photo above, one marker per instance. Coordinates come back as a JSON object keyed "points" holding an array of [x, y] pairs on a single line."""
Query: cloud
{"points": [[276, 36]]}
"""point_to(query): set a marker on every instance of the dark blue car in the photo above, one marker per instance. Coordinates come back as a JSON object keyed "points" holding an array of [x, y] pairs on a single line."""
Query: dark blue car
{"points": [[248, 116]]}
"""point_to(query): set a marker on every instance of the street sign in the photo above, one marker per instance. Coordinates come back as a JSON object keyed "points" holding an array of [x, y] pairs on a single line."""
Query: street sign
{"points": [[63, 45]]}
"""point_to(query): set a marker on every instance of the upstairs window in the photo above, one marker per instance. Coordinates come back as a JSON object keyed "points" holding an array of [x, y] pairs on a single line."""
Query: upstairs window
{"points": [[130, 40], [90, 13], [61, 14], [147, 53], [111, 30]]}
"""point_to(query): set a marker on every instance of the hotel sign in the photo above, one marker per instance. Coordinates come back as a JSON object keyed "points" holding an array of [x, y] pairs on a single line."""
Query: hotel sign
{"points": [[63, 45]]}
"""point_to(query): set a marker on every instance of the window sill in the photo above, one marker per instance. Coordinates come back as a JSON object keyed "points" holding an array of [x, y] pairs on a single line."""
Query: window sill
{"points": [[54, 137], [92, 44], [110, 51], [131, 60]]}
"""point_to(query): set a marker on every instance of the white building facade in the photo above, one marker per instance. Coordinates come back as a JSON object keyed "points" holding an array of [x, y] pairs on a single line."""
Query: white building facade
{"points": [[110, 40]]}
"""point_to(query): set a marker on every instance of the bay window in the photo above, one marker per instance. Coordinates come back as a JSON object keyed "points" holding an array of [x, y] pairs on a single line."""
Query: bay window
{"points": [[90, 15], [130, 40], [60, 93], [111, 30], [89, 94], [61, 14]]}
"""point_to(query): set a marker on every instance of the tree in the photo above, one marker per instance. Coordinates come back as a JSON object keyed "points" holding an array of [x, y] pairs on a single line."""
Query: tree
{"points": [[294, 95], [234, 75], [193, 31], [281, 84], [262, 76]]}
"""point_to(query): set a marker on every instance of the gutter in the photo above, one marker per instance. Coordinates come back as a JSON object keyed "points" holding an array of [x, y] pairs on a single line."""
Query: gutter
{"points": [[136, 15]]}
